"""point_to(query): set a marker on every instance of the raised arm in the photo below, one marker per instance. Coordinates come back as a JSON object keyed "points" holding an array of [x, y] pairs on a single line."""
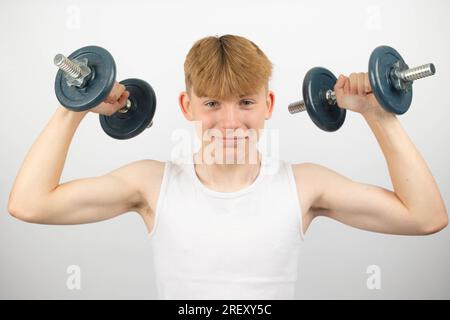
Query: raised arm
{"points": [[37, 195], [414, 207], [360, 205]]}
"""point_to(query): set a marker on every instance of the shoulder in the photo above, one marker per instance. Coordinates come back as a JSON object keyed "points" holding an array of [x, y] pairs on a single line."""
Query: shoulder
{"points": [[318, 181], [138, 170], [149, 166], [307, 177], [311, 179], [316, 174], [311, 171], [146, 176], [306, 171], [150, 173]]}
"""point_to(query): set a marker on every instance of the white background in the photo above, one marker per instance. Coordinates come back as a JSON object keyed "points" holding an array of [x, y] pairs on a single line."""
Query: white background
{"points": [[149, 40]]}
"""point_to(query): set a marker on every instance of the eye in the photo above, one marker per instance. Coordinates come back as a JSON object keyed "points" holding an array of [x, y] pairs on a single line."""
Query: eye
{"points": [[211, 104], [247, 102]]}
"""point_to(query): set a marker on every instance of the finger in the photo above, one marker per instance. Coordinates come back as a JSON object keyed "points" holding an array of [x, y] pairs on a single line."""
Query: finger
{"points": [[367, 87], [354, 83], [339, 89], [123, 99], [112, 96], [361, 90], [115, 93], [347, 86], [118, 91], [119, 104], [339, 85]]}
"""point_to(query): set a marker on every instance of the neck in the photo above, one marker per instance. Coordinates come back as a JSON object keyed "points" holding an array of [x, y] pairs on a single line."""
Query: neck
{"points": [[227, 177]]}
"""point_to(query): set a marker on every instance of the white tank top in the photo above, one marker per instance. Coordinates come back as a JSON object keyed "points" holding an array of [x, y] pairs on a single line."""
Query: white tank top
{"points": [[227, 245]]}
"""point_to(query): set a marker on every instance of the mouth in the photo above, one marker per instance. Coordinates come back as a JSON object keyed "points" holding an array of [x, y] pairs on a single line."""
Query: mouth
{"points": [[231, 142], [232, 139]]}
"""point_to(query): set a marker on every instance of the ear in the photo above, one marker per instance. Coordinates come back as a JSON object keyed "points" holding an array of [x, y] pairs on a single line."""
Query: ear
{"points": [[185, 105], [270, 101]]}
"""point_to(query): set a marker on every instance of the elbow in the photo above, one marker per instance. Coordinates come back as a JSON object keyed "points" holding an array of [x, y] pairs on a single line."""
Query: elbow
{"points": [[437, 226], [22, 213]]}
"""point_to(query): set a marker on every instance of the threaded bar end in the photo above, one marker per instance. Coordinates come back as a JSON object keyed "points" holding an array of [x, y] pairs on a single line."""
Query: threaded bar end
{"points": [[69, 67], [417, 73], [296, 107]]}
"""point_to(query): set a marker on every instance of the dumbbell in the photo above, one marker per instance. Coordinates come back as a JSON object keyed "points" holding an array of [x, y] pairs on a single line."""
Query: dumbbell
{"points": [[390, 79], [84, 80]]}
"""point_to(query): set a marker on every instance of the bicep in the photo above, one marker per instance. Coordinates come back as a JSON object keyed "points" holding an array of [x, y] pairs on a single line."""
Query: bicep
{"points": [[361, 205], [93, 199]]}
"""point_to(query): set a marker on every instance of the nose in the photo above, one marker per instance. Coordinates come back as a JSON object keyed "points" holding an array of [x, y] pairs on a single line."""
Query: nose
{"points": [[230, 118]]}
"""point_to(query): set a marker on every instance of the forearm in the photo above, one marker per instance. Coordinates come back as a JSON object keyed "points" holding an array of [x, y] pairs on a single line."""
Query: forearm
{"points": [[41, 170], [412, 180]]}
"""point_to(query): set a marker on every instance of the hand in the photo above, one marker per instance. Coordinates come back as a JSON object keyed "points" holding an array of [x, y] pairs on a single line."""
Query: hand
{"points": [[116, 100], [354, 93]]}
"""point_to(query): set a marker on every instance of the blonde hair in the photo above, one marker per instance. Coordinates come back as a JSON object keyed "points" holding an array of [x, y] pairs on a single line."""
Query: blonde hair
{"points": [[225, 67]]}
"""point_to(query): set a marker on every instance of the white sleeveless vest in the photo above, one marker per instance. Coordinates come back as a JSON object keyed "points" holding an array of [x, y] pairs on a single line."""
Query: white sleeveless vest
{"points": [[219, 245]]}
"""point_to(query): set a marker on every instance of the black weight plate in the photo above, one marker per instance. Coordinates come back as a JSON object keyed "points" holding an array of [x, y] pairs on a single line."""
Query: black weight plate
{"points": [[381, 63], [316, 83], [102, 64], [139, 116]]}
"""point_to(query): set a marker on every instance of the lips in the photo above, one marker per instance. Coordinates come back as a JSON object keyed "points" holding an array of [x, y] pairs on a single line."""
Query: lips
{"points": [[231, 139]]}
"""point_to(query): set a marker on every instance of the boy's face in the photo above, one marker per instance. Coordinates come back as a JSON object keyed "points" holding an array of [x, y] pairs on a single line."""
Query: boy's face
{"points": [[232, 123]]}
